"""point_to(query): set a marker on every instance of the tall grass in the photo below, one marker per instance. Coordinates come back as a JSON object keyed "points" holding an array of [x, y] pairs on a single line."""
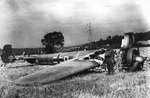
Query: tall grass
{"points": [[91, 85]]}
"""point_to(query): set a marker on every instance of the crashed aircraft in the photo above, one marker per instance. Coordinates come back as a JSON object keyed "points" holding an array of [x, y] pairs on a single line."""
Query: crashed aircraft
{"points": [[128, 57]]}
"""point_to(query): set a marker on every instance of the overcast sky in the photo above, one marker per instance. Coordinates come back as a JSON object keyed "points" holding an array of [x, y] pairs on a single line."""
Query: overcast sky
{"points": [[23, 23]]}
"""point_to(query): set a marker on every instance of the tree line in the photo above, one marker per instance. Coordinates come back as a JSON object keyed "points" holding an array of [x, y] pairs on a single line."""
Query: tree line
{"points": [[56, 38], [115, 40]]}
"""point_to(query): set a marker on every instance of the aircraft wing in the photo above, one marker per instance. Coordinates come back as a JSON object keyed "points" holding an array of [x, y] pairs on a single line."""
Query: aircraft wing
{"points": [[57, 72], [54, 58]]}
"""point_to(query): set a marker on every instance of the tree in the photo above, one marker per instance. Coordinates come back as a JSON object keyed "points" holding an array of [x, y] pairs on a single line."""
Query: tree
{"points": [[108, 40], [51, 39]]}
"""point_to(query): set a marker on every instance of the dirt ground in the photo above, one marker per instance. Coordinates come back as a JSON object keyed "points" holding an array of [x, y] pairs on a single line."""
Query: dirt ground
{"points": [[84, 85]]}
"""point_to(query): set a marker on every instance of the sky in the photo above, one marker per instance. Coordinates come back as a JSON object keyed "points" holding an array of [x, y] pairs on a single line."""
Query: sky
{"points": [[23, 23]]}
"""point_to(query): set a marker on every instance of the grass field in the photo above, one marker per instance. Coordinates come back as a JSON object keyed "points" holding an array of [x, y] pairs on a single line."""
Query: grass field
{"points": [[89, 84]]}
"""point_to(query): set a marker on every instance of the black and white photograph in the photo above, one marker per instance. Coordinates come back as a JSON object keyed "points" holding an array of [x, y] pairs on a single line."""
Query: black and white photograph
{"points": [[74, 49]]}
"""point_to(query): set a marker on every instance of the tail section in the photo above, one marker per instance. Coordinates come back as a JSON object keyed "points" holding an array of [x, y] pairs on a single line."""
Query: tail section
{"points": [[7, 55]]}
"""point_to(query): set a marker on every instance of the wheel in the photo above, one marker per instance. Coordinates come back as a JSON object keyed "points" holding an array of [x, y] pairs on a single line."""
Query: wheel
{"points": [[131, 55]]}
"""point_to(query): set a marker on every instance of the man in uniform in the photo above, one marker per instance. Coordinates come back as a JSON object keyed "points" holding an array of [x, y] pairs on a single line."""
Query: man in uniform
{"points": [[109, 59]]}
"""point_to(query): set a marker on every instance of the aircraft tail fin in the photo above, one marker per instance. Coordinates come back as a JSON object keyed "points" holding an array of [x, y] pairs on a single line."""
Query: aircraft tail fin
{"points": [[7, 55]]}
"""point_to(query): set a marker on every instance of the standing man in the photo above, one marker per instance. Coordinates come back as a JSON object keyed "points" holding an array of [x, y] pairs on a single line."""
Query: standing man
{"points": [[109, 59]]}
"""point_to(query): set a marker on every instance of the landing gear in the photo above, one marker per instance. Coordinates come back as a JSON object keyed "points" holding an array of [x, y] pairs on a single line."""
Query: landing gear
{"points": [[131, 61], [131, 54]]}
